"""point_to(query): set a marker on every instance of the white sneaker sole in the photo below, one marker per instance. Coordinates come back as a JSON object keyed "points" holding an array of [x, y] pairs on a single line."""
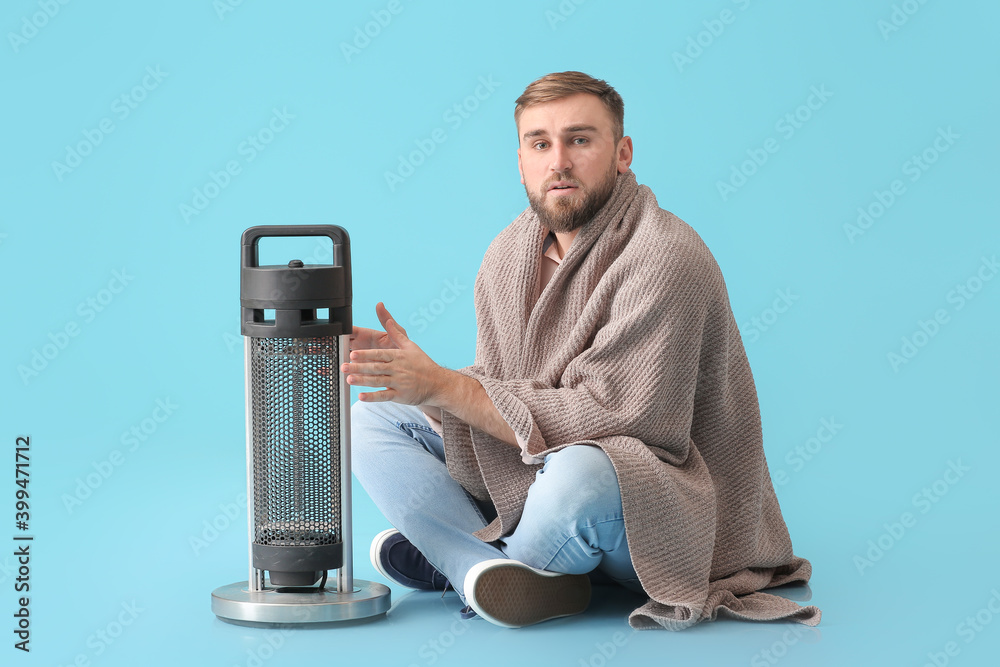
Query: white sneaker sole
{"points": [[511, 594]]}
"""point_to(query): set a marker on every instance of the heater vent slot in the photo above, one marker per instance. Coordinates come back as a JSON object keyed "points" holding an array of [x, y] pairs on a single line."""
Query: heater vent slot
{"points": [[296, 441]]}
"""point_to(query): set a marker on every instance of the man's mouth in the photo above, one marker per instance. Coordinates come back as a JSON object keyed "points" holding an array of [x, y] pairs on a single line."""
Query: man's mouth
{"points": [[564, 187]]}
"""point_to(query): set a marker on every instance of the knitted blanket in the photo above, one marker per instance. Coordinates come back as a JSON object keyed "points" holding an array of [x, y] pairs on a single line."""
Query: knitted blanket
{"points": [[632, 346]]}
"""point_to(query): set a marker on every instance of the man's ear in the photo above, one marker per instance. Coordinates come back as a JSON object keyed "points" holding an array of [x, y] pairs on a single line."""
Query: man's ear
{"points": [[520, 168], [624, 154]]}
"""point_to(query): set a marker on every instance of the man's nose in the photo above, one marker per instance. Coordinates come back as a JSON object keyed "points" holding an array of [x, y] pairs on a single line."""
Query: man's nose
{"points": [[560, 159]]}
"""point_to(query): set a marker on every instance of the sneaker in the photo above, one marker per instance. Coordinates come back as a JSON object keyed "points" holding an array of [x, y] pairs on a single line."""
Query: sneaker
{"points": [[401, 563], [511, 594]]}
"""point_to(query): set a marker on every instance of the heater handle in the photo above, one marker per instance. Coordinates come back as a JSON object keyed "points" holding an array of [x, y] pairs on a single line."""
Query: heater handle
{"points": [[337, 234]]}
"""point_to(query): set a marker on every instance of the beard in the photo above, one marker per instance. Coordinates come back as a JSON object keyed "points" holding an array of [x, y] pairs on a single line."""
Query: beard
{"points": [[564, 214]]}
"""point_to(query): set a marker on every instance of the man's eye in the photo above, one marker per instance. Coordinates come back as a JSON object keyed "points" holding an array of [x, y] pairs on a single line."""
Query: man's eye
{"points": [[541, 145], [580, 140]]}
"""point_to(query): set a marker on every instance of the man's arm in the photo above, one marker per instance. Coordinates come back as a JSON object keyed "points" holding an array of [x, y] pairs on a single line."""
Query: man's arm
{"points": [[465, 398], [431, 411], [412, 378]]}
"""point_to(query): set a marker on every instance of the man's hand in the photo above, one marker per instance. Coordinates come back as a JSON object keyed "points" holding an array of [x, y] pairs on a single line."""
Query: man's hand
{"points": [[367, 339], [390, 359], [393, 361]]}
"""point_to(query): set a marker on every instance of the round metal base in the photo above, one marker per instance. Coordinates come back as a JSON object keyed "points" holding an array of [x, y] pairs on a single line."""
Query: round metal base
{"points": [[235, 603]]}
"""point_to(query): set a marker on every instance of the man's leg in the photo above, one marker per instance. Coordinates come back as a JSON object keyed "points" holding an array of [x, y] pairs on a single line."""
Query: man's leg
{"points": [[573, 521], [399, 460]]}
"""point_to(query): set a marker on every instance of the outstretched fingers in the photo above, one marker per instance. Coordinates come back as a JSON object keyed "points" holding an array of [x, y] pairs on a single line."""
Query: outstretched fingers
{"points": [[373, 355], [391, 326], [363, 380], [377, 396]]}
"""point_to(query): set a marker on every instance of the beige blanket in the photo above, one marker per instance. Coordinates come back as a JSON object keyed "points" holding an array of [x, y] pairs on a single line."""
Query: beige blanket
{"points": [[632, 346]]}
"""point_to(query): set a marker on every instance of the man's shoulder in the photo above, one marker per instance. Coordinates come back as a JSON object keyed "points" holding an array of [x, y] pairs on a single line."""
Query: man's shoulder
{"points": [[660, 236], [508, 237]]}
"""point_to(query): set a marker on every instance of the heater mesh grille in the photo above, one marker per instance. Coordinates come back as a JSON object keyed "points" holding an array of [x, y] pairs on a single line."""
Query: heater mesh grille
{"points": [[295, 398]]}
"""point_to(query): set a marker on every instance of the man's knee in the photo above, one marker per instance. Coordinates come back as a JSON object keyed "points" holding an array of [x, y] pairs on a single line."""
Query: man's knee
{"points": [[362, 416], [578, 464], [366, 417], [375, 432], [366, 421], [578, 480], [362, 412]]}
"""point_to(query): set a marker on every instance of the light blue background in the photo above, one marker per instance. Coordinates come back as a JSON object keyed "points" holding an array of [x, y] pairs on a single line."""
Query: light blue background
{"points": [[172, 333]]}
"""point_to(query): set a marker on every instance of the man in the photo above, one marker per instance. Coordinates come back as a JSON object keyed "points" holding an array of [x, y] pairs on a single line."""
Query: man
{"points": [[610, 422]]}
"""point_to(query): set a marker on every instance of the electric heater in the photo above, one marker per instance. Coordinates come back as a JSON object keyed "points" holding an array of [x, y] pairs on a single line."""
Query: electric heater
{"points": [[296, 320]]}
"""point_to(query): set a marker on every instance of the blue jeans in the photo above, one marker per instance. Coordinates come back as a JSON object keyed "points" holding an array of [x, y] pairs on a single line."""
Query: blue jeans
{"points": [[572, 521]]}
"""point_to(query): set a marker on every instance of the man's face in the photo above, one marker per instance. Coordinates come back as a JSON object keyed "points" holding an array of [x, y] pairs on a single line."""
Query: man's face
{"points": [[569, 160]]}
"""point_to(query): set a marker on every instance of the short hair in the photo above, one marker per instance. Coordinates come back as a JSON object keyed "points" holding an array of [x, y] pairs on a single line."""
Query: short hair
{"points": [[558, 85]]}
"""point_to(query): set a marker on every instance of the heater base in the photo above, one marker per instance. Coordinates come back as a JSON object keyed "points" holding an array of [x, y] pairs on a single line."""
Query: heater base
{"points": [[235, 603]]}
